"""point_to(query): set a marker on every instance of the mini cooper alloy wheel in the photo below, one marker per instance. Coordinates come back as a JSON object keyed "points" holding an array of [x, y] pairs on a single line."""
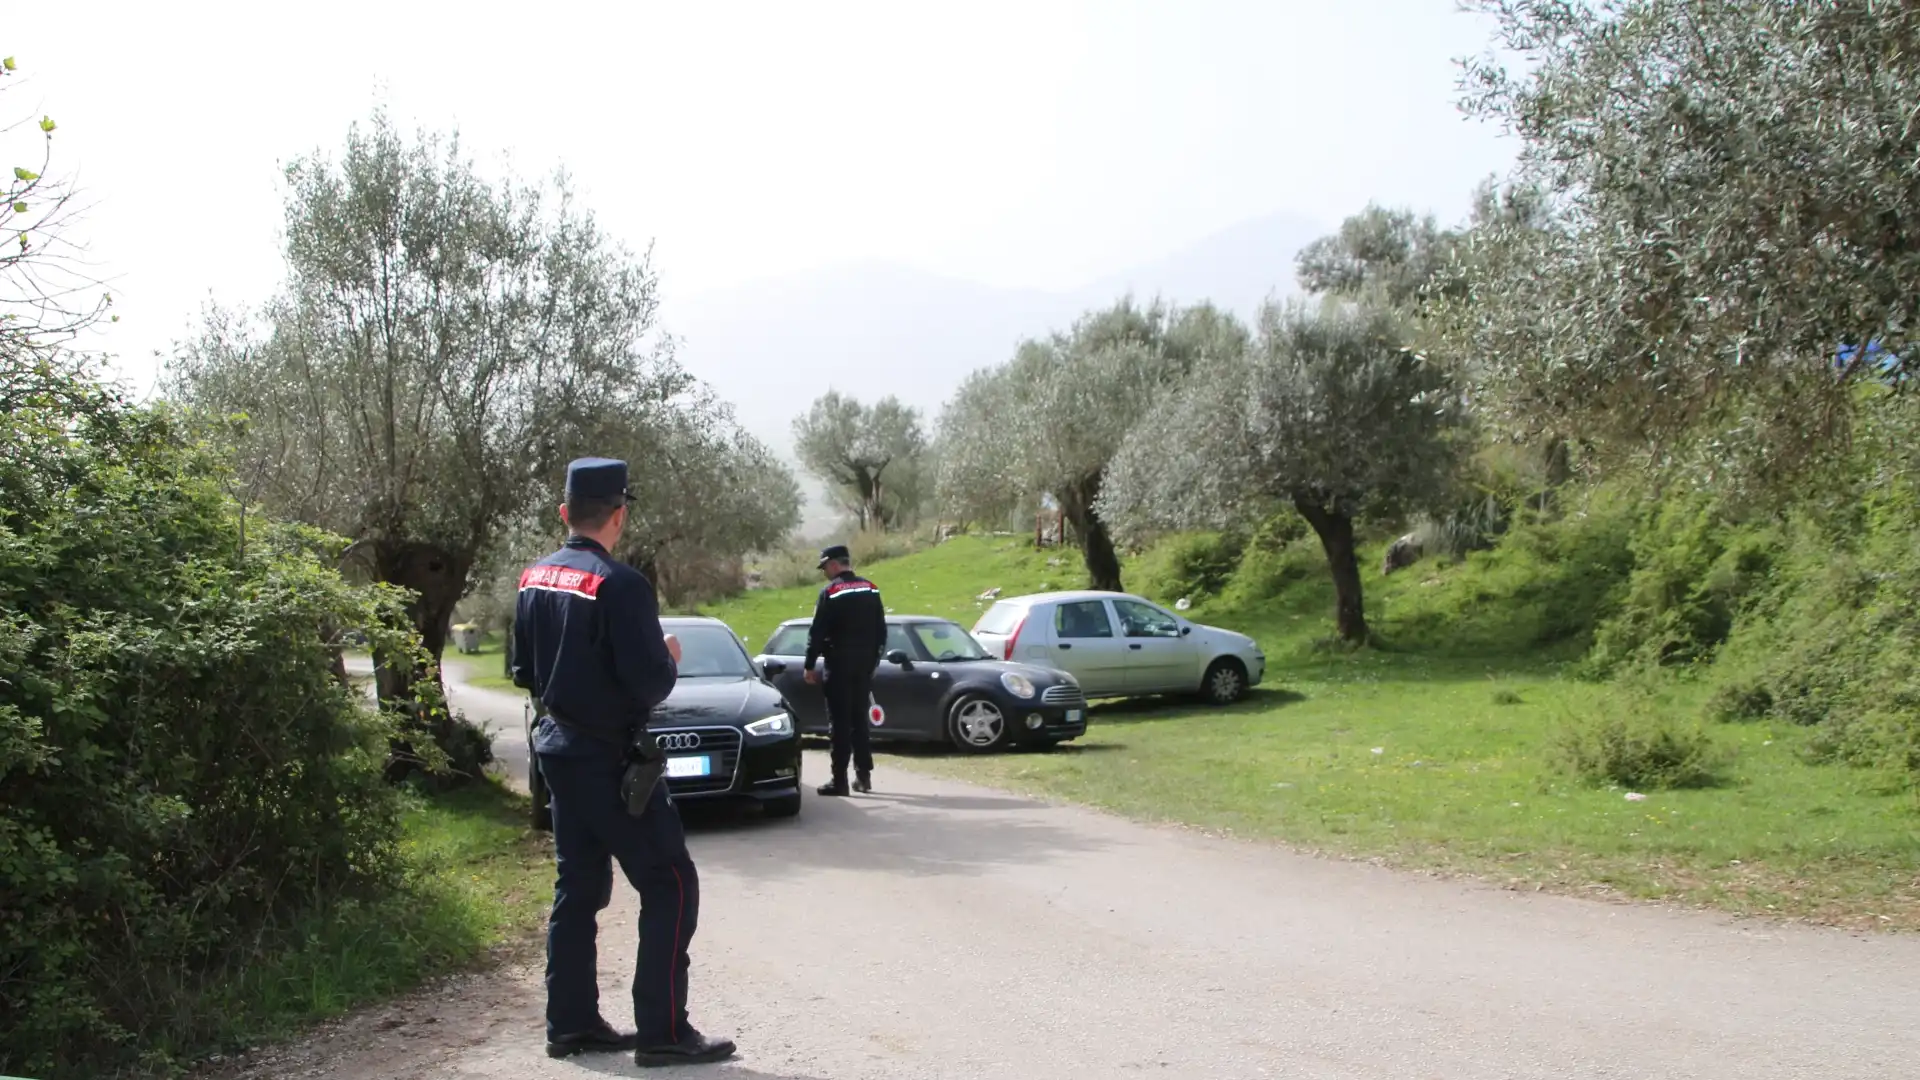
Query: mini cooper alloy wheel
{"points": [[977, 724]]}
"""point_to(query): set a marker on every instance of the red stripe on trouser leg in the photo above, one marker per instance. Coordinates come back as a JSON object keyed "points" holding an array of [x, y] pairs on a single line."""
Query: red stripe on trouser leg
{"points": [[673, 996]]}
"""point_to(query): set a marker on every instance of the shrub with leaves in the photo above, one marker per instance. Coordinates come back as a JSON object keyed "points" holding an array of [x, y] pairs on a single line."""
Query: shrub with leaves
{"points": [[1636, 743], [1836, 641], [1193, 565], [1694, 568], [182, 762]]}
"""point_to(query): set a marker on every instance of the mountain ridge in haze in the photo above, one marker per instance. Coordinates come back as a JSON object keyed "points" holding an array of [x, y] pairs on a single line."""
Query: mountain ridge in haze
{"points": [[875, 328]]}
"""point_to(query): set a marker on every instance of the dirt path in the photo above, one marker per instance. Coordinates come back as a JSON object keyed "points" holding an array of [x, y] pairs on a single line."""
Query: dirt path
{"points": [[940, 930]]}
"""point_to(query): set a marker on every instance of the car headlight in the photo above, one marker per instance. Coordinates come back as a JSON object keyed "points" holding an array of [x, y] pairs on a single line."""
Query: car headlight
{"points": [[777, 724], [1017, 684]]}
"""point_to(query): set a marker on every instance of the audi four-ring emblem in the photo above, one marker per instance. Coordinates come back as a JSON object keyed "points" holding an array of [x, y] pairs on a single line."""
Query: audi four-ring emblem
{"points": [[677, 740]]}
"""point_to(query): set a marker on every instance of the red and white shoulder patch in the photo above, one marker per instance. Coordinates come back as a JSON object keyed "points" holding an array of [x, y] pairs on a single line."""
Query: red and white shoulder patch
{"points": [[844, 588], [582, 583]]}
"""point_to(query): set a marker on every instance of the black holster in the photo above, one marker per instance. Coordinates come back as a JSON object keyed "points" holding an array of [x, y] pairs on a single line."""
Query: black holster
{"points": [[638, 781], [646, 765]]}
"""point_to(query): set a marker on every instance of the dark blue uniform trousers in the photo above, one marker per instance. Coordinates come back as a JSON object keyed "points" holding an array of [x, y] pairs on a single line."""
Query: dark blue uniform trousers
{"points": [[849, 693], [592, 829]]}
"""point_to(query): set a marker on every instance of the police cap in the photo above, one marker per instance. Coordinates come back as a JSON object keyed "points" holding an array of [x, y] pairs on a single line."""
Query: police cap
{"points": [[597, 478], [836, 553]]}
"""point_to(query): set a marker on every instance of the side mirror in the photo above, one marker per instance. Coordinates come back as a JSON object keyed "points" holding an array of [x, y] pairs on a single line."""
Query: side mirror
{"points": [[898, 656], [773, 667]]}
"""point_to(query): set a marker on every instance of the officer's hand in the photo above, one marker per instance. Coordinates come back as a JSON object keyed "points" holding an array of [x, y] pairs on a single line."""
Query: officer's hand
{"points": [[673, 648], [812, 676]]}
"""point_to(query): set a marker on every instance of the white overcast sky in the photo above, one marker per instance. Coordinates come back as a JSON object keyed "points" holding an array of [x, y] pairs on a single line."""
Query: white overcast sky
{"points": [[1039, 143]]}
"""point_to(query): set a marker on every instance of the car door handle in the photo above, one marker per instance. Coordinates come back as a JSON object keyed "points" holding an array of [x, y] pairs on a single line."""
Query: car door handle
{"points": [[1133, 646], [1064, 645]]}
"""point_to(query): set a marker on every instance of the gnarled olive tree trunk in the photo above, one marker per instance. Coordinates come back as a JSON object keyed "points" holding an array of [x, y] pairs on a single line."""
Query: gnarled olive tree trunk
{"points": [[1334, 527], [435, 578], [1096, 543]]}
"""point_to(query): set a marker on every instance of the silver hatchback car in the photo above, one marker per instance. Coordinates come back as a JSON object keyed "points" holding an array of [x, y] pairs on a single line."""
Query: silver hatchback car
{"points": [[1120, 645]]}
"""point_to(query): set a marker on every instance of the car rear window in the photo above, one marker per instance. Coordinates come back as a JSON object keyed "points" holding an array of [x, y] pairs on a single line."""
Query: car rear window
{"points": [[787, 641], [1000, 619]]}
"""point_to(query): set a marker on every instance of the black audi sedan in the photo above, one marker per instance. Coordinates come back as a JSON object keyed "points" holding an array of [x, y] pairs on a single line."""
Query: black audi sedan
{"points": [[727, 731], [937, 684]]}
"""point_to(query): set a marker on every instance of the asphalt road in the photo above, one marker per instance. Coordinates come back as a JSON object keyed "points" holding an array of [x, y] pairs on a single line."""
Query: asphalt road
{"points": [[935, 929]]}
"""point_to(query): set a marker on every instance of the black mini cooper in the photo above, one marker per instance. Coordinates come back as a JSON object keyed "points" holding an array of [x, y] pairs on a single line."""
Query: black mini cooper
{"points": [[937, 684], [727, 732]]}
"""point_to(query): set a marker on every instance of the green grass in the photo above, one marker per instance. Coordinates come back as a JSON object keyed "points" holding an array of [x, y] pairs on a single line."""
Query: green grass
{"points": [[1461, 700], [482, 668], [477, 880]]}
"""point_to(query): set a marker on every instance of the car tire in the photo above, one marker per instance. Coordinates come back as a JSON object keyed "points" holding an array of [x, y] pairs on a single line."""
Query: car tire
{"points": [[783, 807], [537, 786], [970, 724], [1225, 682]]}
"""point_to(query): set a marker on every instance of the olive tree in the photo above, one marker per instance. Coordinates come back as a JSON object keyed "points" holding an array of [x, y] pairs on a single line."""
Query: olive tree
{"points": [[1733, 199], [437, 335], [976, 478], [46, 297], [868, 455], [1393, 252], [703, 487], [1327, 411], [1050, 420]]}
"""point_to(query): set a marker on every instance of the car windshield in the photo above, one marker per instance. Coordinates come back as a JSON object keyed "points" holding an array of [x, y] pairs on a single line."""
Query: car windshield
{"points": [[948, 642], [709, 651]]}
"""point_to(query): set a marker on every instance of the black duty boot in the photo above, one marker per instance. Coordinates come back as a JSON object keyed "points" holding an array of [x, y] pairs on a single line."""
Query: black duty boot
{"points": [[863, 782], [837, 787], [598, 1040], [692, 1049]]}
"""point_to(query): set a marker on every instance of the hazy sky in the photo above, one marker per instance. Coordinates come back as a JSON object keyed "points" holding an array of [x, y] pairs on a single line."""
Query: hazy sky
{"points": [[1038, 143]]}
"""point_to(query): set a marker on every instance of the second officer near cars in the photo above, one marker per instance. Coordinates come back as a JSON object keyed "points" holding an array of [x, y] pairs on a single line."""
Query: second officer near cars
{"points": [[849, 632]]}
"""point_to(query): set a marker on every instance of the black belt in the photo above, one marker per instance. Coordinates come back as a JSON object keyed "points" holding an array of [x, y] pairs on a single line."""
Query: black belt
{"points": [[643, 773], [623, 742]]}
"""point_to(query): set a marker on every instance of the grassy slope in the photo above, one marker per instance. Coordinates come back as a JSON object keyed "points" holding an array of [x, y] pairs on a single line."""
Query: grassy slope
{"points": [[477, 880], [1459, 707], [941, 580]]}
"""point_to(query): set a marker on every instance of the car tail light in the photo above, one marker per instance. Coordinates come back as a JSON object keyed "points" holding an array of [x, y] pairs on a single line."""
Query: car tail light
{"points": [[1014, 638]]}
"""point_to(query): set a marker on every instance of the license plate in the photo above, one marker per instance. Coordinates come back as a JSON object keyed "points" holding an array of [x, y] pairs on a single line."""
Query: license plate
{"points": [[1074, 715], [690, 766]]}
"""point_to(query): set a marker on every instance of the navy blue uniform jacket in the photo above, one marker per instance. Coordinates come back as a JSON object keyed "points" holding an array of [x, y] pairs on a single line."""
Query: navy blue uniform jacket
{"points": [[587, 642], [849, 623]]}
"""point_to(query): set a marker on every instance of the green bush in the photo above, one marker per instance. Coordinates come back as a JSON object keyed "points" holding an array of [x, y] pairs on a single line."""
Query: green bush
{"points": [[1266, 572], [1739, 700], [1192, 565], [1545, 585], [1635, 743], [1692, 570], [1474, 525], [1835, 641], [180, 769]]}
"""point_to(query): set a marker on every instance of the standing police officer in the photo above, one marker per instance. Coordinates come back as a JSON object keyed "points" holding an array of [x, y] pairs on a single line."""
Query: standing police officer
{"points": [[849, 631], [588, 644]]}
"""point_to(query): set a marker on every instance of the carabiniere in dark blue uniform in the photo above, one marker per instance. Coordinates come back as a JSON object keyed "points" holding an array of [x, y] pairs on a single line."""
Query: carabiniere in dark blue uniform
{"points": [[588, 645], [849, 631]]}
